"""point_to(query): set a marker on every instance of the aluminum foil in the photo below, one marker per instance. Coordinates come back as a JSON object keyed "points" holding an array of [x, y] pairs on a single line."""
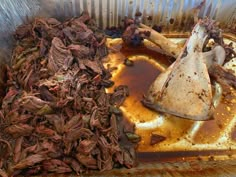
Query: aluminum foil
{"points": [[110, 13]]}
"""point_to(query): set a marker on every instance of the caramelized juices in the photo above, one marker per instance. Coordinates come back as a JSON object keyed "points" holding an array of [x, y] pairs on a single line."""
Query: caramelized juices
{"points": [[181, 134]]}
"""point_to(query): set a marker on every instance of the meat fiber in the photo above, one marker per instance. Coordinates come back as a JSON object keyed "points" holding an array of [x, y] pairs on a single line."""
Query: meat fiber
{"points": [[56, 113]]}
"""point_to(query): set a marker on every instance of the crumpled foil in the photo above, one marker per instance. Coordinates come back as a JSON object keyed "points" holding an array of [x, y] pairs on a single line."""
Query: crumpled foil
{"points": [[110, 13]]}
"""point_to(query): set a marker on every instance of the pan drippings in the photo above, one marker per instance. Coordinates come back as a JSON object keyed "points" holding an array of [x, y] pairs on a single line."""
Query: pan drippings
{"points": [[181, 134]]}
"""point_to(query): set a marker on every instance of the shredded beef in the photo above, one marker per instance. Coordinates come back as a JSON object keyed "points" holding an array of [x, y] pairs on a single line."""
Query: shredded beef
{"points": [[56, 115]]}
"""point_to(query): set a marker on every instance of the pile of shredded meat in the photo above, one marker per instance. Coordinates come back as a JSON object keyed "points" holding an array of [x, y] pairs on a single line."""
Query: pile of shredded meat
{"points": [[56, 115]]}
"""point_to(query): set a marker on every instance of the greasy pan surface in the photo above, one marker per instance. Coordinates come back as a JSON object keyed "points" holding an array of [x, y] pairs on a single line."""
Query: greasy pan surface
{"points": [[176, 169], [200, 143], [214, 160], [181, 134]]}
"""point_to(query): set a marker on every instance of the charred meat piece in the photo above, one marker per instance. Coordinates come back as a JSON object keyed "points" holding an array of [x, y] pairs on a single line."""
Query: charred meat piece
{"points": [[155, 139]]}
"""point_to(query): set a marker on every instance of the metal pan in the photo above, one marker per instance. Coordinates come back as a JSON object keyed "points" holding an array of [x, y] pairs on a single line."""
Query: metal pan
{"points": [[191, 148]]}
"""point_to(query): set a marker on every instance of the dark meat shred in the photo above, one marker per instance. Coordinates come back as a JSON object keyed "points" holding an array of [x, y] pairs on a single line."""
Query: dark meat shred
{"points": [[155, 139], [223, 76], [56, 116]]}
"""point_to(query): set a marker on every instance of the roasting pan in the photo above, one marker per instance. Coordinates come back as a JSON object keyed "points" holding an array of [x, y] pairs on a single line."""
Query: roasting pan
{"points": [[191, 148]]}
